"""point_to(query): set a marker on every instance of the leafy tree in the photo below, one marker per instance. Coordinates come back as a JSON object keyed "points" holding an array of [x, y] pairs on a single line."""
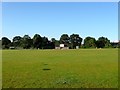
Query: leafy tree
{"points": [[114, 44], [89, 42], [57, 43], [26, 42], [53, 40], [5, 43], [119, 44], [0, 44], [17, 41], [50, 45], [37, 41], [44, 42], [64, 39], [75, 40], [103, 42]]}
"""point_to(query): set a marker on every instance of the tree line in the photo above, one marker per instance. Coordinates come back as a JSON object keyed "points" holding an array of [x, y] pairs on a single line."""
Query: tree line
{"points": [[38, 42]]}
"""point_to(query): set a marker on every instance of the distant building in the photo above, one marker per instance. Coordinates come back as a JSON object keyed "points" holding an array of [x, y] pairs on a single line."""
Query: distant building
{"points": [[62, 46], [11, 47], [77, 47]]}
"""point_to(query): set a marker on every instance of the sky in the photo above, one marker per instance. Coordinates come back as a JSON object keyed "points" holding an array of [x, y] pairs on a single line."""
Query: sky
{"points": [[60, 0], [52, 19]]}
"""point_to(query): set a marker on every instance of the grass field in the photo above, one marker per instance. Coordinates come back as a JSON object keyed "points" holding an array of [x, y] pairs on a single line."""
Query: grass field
{"points": [[84, 68]]}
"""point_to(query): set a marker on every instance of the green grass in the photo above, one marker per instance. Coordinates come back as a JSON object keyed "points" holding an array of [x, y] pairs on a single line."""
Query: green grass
{"points": [[84, 68]]}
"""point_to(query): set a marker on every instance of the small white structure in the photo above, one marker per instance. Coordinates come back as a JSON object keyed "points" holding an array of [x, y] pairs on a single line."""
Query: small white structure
{"points": [[11, 47], [77, 47], [62, 45]]}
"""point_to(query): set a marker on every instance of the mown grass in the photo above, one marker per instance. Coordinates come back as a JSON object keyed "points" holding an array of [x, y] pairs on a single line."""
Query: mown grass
{"points": [[84, 68]]}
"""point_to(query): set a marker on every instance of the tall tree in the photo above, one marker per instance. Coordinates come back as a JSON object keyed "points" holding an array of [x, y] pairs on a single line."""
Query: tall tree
{"points": [[75, 40], [119, 44], [55, 42], [17, 41], [89, 42], [64, 39], [44, 43], [50, 45], [37, 41], [26, 42], [5, 43], [0, 44], [103, 42]]}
